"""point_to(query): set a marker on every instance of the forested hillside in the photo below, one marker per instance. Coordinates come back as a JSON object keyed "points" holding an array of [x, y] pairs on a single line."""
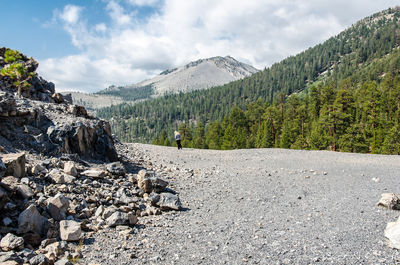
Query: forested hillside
{"points": [[344, 97]]}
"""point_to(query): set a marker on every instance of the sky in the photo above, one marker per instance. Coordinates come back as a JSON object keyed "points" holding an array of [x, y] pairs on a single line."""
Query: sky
{"points": [[88, 45]]}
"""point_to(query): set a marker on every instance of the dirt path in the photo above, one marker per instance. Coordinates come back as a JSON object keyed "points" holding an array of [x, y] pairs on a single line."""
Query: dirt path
{"points": [[262, 206]]}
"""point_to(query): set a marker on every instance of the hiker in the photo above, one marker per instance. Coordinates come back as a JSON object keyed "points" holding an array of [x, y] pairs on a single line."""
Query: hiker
{"points": [[178, 139]]}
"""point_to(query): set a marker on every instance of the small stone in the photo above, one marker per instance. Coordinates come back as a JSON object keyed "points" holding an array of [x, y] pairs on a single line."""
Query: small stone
{"points": [[70, 230], [7, 221], [169, 201], [11, 242], [94, 173], [25, 191], [118, 218], [70, 169], [58, 206], [39, 260], [390, 201], [63, 261], [38, 169]]}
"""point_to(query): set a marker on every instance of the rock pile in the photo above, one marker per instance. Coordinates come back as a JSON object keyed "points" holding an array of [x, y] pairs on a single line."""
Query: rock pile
{"points": [[54, 202], [60, 174]]}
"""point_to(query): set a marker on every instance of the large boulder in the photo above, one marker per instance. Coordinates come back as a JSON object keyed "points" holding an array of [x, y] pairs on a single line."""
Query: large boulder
{"points": [[15, 164], [31, 220], [88, 138]]}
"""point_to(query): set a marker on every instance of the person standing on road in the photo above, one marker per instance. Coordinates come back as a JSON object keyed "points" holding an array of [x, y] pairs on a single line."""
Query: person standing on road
{"points": [[178, 139]]}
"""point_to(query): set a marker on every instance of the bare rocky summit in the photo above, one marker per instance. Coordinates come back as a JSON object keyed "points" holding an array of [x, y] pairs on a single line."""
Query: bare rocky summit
{"points": [[201, 74]]}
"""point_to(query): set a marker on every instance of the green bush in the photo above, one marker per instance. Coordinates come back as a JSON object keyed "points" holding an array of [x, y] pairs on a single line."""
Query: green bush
{"points": [[12, 56]]}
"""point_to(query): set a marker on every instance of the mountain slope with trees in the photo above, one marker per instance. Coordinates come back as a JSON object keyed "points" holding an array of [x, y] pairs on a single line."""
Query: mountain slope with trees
{"points": [[344, 87]]}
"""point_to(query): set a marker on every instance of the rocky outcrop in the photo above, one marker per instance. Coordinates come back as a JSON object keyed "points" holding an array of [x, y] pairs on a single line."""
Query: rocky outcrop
{"points": [[59, 175], [34, 117]]}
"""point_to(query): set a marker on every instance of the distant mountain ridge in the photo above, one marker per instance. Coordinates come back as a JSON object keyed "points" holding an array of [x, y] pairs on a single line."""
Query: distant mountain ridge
{"points": [[197, 75]]}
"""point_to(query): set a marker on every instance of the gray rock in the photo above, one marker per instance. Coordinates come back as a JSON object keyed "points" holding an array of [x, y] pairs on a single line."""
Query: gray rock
{"points": [[25, 191], [118, 218], [70, 230], [15, 164], [70, 169], [148, 182], [116, 168], [10, 256], [38, 169], [169, 201], [3, 198], [390, 201], [99, 211], [392, 233], [109, 211], [58, 206], [56, 176], [3, 168], [39, 260], [11, 242], [55, 250], [7, 221], [31, 220], [63, 261], [94, 173]]}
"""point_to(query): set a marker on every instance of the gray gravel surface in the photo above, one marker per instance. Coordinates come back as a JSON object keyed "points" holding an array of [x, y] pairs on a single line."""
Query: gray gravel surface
{"points": [[260, 206]]}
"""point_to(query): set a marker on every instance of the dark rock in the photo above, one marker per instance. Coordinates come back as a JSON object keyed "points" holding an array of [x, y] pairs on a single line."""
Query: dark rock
{"points": [[169, 201], [39, 260], [32, 239], [148, 182], [116, 168], [118, 218], [31, 220], [15, 164], [58, 206]]}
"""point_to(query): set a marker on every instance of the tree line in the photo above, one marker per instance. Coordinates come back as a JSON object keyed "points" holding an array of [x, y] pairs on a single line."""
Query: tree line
{"points": [[363, 54]]}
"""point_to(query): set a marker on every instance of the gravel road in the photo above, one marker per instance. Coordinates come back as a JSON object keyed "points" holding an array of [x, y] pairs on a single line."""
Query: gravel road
{"points": [[260, 206]]}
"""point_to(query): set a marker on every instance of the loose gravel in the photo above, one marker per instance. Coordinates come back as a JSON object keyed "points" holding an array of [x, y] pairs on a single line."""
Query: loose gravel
{"points": [[259, 206]]}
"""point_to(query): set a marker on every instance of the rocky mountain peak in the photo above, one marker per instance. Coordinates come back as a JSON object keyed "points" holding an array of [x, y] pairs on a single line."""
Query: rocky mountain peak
{"points": [[199, 74]]}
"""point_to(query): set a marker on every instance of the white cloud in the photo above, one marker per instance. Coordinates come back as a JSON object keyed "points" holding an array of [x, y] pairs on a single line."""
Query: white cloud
{"points": [[144, 2], [71, 14], [117, 13], [128, 50]]}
